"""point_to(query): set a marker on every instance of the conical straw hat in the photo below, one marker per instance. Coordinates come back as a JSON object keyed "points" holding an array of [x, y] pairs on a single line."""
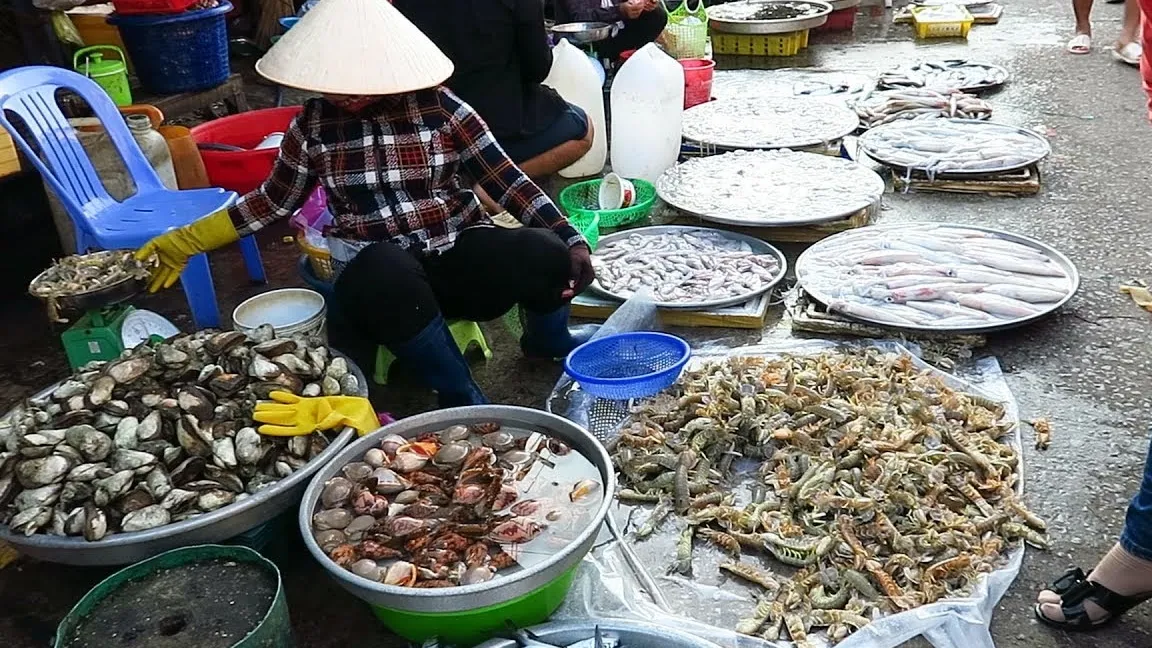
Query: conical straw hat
{"points": [[355, 47]]}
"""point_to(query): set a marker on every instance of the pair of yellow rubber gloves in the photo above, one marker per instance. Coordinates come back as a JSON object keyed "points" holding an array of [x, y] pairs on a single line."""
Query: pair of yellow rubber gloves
{"points": [[287, 414]]}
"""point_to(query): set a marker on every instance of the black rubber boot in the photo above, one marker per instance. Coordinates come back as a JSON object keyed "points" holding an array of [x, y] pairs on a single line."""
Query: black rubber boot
{"points": [[548, 336], [438, 361]]}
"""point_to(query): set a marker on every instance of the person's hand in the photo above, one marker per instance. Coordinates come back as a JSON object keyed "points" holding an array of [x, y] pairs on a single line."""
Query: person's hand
{"points": [[173, 248], [292, 415], [651, 4], [582, 272], [631, 9]]}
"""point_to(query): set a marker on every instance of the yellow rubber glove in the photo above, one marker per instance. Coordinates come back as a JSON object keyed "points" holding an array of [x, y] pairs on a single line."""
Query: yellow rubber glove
{"points": [[174, 247], [292, 415]]}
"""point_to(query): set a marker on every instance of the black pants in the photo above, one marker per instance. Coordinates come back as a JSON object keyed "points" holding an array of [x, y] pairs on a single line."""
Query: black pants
{"points": [[635, 34], [387, 294]]}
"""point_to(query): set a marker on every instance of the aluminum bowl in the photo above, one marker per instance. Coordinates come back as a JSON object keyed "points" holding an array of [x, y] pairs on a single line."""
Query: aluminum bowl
{"points": [[207, 528], [633, 634], [583, 32], [501, 589]]}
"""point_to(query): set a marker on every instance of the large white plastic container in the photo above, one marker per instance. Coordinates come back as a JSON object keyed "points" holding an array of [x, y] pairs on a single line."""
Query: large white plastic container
{"points": [[647, 110], [574, 76]]}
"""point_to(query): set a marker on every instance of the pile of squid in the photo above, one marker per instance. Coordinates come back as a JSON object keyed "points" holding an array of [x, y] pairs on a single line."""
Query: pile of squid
{"points": [[885, 106], [883, 486]]}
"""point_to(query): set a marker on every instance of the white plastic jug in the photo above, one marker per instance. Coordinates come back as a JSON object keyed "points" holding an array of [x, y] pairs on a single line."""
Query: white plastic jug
{"points": [[647, 110], [574, 76]]}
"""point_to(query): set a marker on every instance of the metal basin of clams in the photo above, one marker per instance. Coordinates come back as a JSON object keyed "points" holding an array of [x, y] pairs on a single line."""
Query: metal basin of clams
{"points": [[447, 602], [213, 526]]}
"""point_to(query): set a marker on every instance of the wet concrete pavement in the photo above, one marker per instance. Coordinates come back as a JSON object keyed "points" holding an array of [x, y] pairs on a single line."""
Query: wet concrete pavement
{"points": [[1085, 369]]}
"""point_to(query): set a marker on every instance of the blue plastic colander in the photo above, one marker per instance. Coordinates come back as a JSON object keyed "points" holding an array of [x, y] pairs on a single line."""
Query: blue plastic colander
{"points": [[628, 365]]}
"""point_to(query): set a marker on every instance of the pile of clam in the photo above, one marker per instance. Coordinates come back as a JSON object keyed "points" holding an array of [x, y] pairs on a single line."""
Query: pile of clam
{"points": [[159, 435], [454, 506]]}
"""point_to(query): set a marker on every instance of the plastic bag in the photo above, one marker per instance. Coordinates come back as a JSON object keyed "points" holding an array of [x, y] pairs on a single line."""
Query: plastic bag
{"points": [[65, 30], [606, 585]]}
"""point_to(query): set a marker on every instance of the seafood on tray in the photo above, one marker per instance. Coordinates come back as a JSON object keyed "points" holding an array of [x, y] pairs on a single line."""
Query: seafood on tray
{"points": [[456, 506], [944, 76], [883, 486], [768, 122], [159, 435], [954, 146], [936, 276], [80, 274], [885, 106], [683, 265], [770, 188]]}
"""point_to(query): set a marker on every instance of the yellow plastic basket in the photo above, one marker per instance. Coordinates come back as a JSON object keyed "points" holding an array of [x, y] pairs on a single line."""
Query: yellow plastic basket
{"points": [[319, 259], [948, 21], [788, 44]]}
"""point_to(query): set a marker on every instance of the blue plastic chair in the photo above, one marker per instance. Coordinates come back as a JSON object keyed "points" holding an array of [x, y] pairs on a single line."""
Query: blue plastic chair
{"points": [[100, 221]]}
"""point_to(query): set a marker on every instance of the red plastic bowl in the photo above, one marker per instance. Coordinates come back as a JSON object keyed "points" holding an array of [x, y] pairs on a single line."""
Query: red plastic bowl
{"points": [[242, 171]]}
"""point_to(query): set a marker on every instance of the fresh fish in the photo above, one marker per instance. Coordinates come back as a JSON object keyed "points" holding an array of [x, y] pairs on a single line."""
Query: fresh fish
{"points": [[1009, 263], [867, 311], [1025, 293], [929, 292], [947, 310], [995, 304]]}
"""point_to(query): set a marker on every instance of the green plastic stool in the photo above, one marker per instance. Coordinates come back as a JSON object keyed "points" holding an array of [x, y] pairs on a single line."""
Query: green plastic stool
{"points": [[465, 332]]}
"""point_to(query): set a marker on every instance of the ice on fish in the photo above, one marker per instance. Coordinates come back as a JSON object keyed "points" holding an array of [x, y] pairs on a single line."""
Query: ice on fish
{"points": [[768, 122]]}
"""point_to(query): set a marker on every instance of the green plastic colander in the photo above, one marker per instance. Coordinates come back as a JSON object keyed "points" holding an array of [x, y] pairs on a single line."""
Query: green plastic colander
{"points": [[583, 199]]}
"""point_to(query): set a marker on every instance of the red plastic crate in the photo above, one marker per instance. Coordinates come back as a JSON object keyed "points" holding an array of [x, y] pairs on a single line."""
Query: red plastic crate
{"points": [[839, 20], [136, 7]]}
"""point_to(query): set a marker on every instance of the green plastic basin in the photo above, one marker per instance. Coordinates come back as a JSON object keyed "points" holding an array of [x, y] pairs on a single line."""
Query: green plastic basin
{"points": [[474, 626]]}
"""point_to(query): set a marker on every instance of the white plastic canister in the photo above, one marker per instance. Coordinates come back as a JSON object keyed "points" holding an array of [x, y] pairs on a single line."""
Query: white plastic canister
{"points": [[647, 110], [574, 76]]}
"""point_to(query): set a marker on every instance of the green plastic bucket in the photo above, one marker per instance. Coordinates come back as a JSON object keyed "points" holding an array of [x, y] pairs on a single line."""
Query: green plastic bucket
{"points": [[474, 626], [273, 631], [110, 75]]}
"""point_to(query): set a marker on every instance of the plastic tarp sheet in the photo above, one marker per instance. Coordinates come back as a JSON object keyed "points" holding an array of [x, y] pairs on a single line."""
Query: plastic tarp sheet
{"points": [[709, 604]]}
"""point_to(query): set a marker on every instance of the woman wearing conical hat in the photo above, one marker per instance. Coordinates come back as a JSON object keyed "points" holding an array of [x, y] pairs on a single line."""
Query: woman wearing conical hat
{"points": [[396, 155]]}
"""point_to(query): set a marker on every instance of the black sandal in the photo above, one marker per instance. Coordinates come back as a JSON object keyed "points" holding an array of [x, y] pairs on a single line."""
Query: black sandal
{"points": [[1074, 588]]}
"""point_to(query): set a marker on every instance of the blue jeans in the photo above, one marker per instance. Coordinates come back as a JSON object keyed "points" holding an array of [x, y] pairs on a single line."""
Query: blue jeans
{"points": [[1136, 538]]}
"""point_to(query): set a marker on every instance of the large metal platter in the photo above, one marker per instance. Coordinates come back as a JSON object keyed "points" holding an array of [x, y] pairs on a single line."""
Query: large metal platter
{"points": [[729, 17], [758, 246], [770, 188], [981, 77], [824, 85], [581, 634], [450, 601], [869, 141], [805, 278], [208, 528], [768, 123]]}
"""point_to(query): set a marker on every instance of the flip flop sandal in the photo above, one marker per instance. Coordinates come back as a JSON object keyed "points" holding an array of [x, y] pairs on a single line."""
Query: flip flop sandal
{"points": [[1074, 589], [1080, 44], [1129, 54]]}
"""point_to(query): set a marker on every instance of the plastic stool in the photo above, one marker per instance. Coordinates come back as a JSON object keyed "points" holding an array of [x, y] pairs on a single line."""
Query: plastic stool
{"points": [[465, 332]]}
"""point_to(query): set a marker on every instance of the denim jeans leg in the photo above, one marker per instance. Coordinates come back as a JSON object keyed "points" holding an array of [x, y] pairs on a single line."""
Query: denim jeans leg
{"points": [[1136, 538]]}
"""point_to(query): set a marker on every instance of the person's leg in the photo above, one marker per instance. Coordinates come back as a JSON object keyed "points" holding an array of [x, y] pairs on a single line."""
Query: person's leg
{"points": [[385, 297], [1130, 30], [1081, 42], [563, 142], [635, 34], [489, 270], [560, 157], [1126, 570]]}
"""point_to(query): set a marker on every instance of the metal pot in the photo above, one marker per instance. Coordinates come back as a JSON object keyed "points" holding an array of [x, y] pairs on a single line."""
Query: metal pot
{"points": [[217, 526], [447, 603], [631, 634]]}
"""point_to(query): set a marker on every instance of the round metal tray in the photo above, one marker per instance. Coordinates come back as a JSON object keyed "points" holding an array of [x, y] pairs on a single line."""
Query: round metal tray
{"points": [[867, 136], [738, 26], [748, 123], [774, 213], [581, 634], [758, 246], [583, 32], [502, 589], [823, 85], [109, 295], [207, 528], [998, 76], [803, 278], [837, 5]]}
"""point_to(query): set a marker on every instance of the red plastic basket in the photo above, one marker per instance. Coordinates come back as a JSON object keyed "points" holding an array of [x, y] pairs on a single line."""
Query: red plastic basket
{"points": [[134, 7], [839, 20], [697, 81], [242, 171]]}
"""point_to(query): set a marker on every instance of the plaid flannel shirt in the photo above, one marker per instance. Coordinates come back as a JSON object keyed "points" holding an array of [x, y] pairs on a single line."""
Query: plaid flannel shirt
{"points": [[393, 172]]}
